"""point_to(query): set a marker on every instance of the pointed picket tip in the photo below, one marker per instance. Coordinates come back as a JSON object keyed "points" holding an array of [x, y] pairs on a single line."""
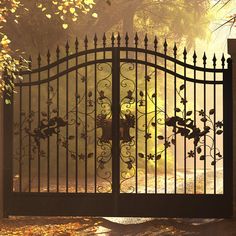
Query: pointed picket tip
{"points": [[39, 57], [104, 38], [146, 40], [95, 39], [48, 56], [214, 60], [30, 62], [76, 44], [194, 57], [165, 45], [118, 39], [204, 58], [185, 53], [223, 60], [67, 47], [155, 42], [175, 50], [58, 51], [126, 39], [112, 39]]}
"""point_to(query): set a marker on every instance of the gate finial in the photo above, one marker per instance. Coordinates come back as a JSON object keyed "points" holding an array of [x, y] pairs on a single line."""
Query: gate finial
{"points": [[204, 59], [146, 41], [126, 39], [48, 56], [223, 61], [104, 38], [155, 43], [67, 48], [194, 57], [175, 50], [214, 60], [95, 40], [112, 40], [136, 40], [39, 60], [58, 52], [86, 42], [118, 39], [30, 62], [76, 44], [165, 46], [185, 54]]}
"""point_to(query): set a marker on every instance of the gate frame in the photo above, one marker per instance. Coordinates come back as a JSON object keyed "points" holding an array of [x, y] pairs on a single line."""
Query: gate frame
{"points": [[16, 203]]}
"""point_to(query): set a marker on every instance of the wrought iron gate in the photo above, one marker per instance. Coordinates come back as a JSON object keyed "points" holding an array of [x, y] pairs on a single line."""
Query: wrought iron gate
{"points": [[120, 131]]}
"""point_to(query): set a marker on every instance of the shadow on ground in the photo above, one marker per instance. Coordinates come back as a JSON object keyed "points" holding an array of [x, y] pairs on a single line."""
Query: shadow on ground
{"points": [[69, 226]]}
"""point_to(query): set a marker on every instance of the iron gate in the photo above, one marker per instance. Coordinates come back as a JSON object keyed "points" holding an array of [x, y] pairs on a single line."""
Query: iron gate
{"points": [[119, 131]]}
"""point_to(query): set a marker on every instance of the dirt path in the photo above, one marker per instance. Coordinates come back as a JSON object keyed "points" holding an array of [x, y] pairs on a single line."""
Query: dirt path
{"points": [[70, 226]]}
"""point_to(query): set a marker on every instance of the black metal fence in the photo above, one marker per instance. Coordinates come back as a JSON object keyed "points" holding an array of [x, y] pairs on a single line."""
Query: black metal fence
{"points": [[120, 130]]}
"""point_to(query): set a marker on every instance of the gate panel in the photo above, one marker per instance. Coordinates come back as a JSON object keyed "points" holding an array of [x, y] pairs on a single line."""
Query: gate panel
{"points": [[121, 131]]}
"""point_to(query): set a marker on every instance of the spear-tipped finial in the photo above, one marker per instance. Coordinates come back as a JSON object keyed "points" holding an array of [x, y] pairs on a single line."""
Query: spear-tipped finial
{"points": [[58, 51], [136, 39], [194, 57], [104, 38], [146, 41], [155, 43], [126, 39], [48, 56], [95, 40], [86, 42], [30, 62], [223, 60], [76, 44], [165, 46], [67, 47], [118, 39], [175, 50], [112, 39], [39, 59], [204, 59], [185, 53], [214, 60]]}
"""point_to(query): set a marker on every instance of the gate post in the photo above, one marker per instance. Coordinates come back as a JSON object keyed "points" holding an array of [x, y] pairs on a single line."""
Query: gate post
{"points": [[232, 53], [1, 158]]}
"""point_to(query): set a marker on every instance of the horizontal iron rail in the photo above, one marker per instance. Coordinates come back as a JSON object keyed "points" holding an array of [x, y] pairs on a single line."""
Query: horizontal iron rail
{"points": [[162, 68], [125, 49]]}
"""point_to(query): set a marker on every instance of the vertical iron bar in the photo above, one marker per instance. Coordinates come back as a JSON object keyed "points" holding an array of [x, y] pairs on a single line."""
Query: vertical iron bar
{"points": [[115, 126], [214, 98], [67, 117], [39, 117], [195, 100], [30, 121], [155, 47], [58, 111], [185, 141], [48, 117], [86, 111], [95, 114], [165, 98], [204, 64], [146, 110], [136, 112], [175, 88], [20, 137], [76, 116]]}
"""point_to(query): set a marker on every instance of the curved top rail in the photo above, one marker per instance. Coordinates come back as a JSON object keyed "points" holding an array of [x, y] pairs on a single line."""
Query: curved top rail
{"points": [[124, 49], [123, 60]]}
